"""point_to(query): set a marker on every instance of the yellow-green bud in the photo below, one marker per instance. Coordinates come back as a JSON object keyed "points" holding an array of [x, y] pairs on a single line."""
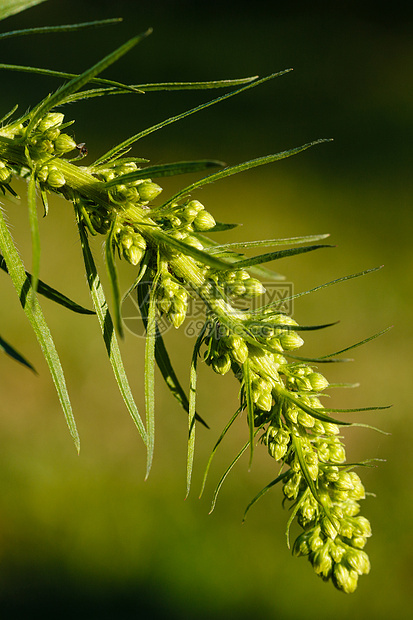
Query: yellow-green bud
{"points": [[55, 178], [358, 561], [53, 119], [191, 210], [318, 381], [253, 288], [345, 579], [221, 364], [322, 562], [5, 174], [301, 544], [148, 190], [42, 174], [204, 221], [330, 526], [64, 143], [305, 419], [290, 341], [238, 348]]}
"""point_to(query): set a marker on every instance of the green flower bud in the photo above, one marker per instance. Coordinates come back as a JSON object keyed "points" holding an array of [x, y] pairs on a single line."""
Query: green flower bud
{"points": [[322, 562], [301, 545], [53, 119], [344, 579], [359, 542], [318, 381], [148, 190], [134, 254], [203, 221], [291, 487], [305, 419], [277, 450], [55, 178], [238, 348], [177, 318], [42, 174], [264, 401], [330, 428], [337, 453], [64, 144], [358, 561], [5, 174], [315, 540], [330, 527], [344, 482], [350, 509], [221, 364], [194, 242], [191, 211], [362, 526], [253, 288], [290, 341]]}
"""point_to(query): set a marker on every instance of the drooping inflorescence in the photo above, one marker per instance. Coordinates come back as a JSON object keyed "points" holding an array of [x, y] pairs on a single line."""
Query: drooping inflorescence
{"points": [[166, 244]]}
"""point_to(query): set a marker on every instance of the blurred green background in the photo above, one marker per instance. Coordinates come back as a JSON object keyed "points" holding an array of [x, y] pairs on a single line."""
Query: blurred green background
{"points": [[85, 536]]}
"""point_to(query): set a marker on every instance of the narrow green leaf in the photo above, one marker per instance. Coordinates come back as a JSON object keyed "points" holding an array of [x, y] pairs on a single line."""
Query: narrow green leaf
{"points": [[34, 229], [263, 492], [161, 355], [76, 83], [127, 143], [113, 276], [108, 332], [128, 89], [164, 170], [195, 85], [150, 376], [225, 474], [69, 98], [304, 468], [7, 116], [256, 325], [199, 255], [326, 284], [220, 227], [270, 256], [300, 500], [11, 352], [358, 344], [375, 408], [51, 293], [316, 412], [343, 385], [221, 437], [250, 405], [35, 316], [11, 7], [267, 243], [65, 28], [246, 165], [192, 409]]}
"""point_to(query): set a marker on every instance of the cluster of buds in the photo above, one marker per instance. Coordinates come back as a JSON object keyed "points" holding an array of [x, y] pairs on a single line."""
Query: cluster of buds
{"points": [[46, 144], [334, 534], [171, 300], [130, 243], [183, 222], [224, 349], [238, 283], [324, 492]]}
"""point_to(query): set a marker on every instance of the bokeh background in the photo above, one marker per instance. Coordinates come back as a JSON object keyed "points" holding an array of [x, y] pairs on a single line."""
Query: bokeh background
{"points": [[86, 536]]}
